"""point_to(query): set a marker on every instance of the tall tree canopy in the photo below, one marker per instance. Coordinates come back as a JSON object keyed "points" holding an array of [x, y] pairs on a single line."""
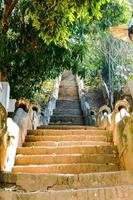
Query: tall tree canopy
{"points": [[41, 38]]}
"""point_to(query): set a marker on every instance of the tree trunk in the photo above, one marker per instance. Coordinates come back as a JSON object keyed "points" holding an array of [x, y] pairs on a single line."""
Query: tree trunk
{"points": [[9, 5]]}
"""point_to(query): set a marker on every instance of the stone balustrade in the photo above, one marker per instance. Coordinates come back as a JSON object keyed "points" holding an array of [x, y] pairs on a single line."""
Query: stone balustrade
{"points": [[83, 99], [52, 103], [27, 116], [13, 131], [120, 122], [103, 117]]}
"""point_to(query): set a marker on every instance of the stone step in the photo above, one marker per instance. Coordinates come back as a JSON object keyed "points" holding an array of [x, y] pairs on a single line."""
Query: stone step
{"points": [[50, 132], [67, 94], [64, 127], [66, 168], [65, 143], [70, 84], [68, 90], [58, 102], [70, 104], [43, 182], [33, 138], [73, 119], [67, 112], [66, 123], [121, 192], [67, 150], [68, 98], [66, 159]]}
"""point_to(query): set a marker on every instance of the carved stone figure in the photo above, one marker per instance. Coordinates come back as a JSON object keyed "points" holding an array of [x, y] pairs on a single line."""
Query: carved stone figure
{"points": [[102, 116]]}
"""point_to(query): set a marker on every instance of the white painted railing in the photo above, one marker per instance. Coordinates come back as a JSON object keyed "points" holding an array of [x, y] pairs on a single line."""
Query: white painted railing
{"points": [[83, 98], [52, 103]]}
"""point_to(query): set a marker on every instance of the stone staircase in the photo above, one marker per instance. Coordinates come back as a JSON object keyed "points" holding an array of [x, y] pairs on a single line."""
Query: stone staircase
{"points": [[67, 162], [67, 151], [68, 109]]}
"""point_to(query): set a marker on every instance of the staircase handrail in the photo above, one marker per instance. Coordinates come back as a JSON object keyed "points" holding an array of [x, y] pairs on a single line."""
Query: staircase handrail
{"points": [[120, 123], [105, 90], [83, 98], [103, 116], [52, 103], [13, 131]]}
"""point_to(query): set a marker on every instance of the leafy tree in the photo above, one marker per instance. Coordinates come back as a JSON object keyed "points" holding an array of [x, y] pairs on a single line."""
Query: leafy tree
{"points": [[45, 37], [114, 13]]}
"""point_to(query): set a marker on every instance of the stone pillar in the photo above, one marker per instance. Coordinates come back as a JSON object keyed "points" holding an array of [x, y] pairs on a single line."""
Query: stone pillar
{"points": [[130, 85], [12, 103], [4, 94]]}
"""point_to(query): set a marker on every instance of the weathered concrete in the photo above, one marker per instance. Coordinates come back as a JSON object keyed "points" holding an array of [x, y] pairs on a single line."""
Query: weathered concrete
{"points": [[66, 159], [113, 193], [71, 127], [83, 98], [4, 94], [57, 138], [41, 182], [68, 87], [52, 103], [13, 136], [67, 150], [64, 143], [68, 100], [56, 132], [66, 168]]}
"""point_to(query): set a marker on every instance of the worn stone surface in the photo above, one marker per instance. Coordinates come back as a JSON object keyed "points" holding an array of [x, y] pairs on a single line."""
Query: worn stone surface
{"points": [[100, 186], [68, 100], [67, 150], [67, 155], [113, 193], [66, 159], [42, 182], [52, 103], [70, 127], [11, 105], [71, 131], [4, 94], [57, 138], [67, 162], [13, 135], [68, 88]]}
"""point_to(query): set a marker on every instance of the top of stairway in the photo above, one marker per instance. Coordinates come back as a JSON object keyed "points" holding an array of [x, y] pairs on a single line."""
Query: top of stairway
{"points": [[68, 87]]}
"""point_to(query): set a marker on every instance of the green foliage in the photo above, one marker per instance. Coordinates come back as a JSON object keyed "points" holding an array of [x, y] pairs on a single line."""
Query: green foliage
{"points": [[43, 96], [114, 59], [92, 62], [53, 19], [47, 36], [114, 13]]}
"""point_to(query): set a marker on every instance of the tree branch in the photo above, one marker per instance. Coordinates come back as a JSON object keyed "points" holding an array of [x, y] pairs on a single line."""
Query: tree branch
{"points": [[32, 46], [9, 5]]}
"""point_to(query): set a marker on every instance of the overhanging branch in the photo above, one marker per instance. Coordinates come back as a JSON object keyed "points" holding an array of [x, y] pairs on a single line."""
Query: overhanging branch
{"points": [[9, 5]]}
